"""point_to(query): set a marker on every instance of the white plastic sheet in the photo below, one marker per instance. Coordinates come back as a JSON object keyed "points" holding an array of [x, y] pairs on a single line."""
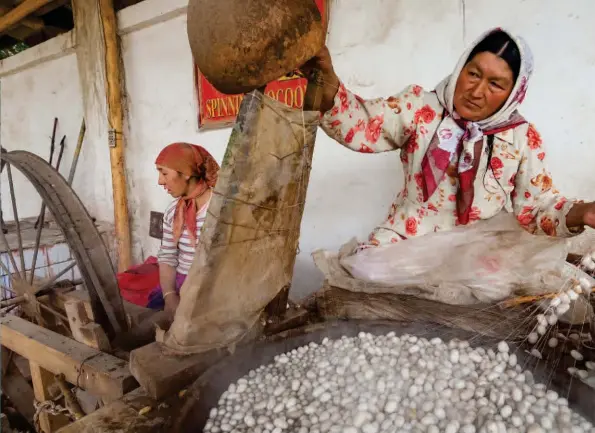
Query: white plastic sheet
{"points": [[484, 262]]}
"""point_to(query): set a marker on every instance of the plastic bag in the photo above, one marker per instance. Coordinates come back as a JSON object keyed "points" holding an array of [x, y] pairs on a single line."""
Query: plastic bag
{"points": [[484, 262], [137, 282]]}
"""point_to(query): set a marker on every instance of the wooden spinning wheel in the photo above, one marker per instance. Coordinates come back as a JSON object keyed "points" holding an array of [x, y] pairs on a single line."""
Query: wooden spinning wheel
{"points": [[49, 310], [88, 253]]}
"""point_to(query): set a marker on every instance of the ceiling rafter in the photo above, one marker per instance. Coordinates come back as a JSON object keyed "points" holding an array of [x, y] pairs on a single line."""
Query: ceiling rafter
{"points": [[23, 10]]}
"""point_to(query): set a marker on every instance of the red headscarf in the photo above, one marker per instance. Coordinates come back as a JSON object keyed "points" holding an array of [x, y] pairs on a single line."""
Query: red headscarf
{"points": [[189, 160]]}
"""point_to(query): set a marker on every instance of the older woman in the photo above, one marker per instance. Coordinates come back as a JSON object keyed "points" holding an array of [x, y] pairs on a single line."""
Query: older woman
{"points": [[188, 173], [466, 151]]}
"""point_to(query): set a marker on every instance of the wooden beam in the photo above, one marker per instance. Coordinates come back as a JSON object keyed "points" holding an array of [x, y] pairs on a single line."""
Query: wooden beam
{"points": [[23, 10], [136, 314], [53, 5], [31, 22], [136, 411], [83, 329], [143, 332], [294, 318], [58, 299], [161, 375], [97, 372], [42, 381]]}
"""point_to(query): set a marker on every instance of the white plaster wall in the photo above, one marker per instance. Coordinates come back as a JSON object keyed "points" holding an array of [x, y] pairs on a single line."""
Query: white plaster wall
{"points": [[36, 86], [30, 99], [32, 94], [379, 47]]}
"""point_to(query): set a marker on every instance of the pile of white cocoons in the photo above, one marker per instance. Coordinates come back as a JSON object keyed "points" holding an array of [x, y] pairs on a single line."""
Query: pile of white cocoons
{"points": [[390, 383]]}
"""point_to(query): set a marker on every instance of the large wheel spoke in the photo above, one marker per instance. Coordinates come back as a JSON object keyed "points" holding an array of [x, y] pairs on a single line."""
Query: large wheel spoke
{"points": [[15, 215], [54, 312], [48, 286], [37, 242], [10, 256], [12, 301]]}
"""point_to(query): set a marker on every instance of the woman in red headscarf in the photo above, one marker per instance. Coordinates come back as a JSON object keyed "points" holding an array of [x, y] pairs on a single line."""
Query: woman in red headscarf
{"points": [[188, 173]]}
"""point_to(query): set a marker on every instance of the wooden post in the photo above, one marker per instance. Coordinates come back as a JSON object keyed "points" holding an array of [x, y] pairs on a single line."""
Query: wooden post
{"points": [[116, 133], [42, 381], [23, 10], [99, 64], [127, 415]]}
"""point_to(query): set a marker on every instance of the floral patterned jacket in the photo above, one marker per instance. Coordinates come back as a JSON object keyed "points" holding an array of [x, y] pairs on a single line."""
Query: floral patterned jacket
{"points": [[518, 179]]}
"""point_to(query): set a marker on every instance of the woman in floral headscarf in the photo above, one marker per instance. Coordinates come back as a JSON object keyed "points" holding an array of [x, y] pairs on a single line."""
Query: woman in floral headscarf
{"points": [[466, 151], [188, 173]]}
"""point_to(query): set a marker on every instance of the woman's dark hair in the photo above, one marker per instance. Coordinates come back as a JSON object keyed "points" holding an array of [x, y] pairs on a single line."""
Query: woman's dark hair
{"points": [[503, 46]]}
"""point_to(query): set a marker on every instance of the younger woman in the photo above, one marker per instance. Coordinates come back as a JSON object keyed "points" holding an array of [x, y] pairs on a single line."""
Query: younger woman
{"points": [[188, 173]]}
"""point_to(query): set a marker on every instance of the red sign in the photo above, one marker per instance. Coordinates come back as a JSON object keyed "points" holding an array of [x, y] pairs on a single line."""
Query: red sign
{"points": [[216, 109]]}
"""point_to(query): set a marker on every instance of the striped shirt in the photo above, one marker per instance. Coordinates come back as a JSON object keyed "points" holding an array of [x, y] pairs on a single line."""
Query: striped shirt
{"points": [[180, 255]]}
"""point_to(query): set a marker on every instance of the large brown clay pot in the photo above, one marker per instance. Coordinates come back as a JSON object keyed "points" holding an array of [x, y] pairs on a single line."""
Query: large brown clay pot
{"points": [[240, 45]]}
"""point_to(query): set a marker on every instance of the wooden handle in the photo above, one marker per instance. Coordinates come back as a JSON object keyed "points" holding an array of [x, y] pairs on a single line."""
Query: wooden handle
{"points": [[314, 91]]}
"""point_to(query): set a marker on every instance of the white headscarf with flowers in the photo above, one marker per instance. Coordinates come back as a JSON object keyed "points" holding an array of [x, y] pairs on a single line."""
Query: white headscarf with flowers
{"points": [[454, 144]]}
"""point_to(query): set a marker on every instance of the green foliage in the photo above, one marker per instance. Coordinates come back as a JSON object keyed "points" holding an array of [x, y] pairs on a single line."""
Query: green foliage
{"points": [[11, 51]]}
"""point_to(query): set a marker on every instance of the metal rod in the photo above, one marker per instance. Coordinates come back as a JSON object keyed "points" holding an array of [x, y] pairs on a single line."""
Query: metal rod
{"points": [[37, 241], [15, 215], [38, 221], [62, 145], [77, 152], [49, 284], [53, 142]]}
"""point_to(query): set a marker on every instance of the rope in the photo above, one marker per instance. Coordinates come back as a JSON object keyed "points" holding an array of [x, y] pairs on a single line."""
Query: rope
{"points": [[78, 377], [50, 407]]}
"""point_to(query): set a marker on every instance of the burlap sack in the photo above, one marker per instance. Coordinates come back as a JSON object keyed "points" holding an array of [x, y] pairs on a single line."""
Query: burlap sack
{"points": [[253, 224]]}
